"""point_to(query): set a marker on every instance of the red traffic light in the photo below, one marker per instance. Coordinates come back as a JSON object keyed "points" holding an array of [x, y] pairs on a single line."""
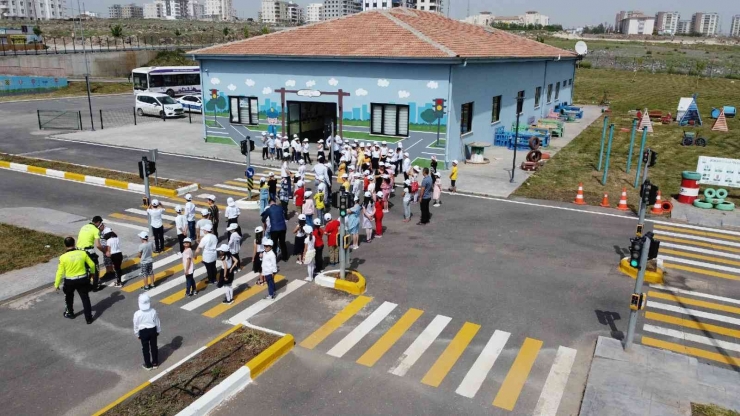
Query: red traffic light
{"points": [[439, 104]]}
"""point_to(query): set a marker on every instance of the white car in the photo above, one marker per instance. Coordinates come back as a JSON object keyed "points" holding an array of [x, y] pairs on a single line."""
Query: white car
{"points": [[156, 104], [191, 103]]}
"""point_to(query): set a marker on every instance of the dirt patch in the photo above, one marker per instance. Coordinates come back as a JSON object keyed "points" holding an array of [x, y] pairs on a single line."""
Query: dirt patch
{"points": [[350, 276], [90, 171], [24, 247], [711, 410], [178, 389]]}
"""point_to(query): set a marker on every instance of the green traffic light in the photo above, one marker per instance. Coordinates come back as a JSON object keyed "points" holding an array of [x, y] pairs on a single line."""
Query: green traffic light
{"points": [[634, 263]]}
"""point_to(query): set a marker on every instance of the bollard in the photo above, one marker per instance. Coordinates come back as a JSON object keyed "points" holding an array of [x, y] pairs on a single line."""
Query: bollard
{"points": [[608, 154], [632, 144], [101, 120], [603, 137], [642, 149]]}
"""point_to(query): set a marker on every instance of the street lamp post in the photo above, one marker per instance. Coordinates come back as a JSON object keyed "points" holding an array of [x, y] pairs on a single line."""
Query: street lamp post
{"points": [[519, 104]]}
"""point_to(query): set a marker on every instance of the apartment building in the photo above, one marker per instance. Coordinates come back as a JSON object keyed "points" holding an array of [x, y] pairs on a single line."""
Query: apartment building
{"points": [[339, 8], [683, 27], [637, 24], [387, 4], [126, 11], [666, 23], [220, 9], [314, 12], [33, 9], [153, 10], [278, 12], [706, 24], [430, 5]]}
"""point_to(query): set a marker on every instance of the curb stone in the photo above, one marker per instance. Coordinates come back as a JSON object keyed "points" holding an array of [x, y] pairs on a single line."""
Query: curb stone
{"points": [[333, 283]]}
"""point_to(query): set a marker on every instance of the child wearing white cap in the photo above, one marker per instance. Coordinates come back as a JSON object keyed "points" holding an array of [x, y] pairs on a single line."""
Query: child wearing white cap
{"points": [[302, 170], [269, 267], [300, 236], [264, 193], [278, 148], [232, 214], [368, 217], [227, 273], [406, 165], [188, 264], [114, 253], [271, 146], [407, 200], [309, 250], [306, 151], [201, 224], [385, 191], [190, 216], [235, 244], [264, 145], [145, 255], [155, 216], [257, 249], [286, 149], [379, 205], [320, 151], [437, 187], [208, 245], [308, 207], [181, 227]]}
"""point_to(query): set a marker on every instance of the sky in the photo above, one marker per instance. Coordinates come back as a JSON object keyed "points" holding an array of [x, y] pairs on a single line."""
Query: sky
{"points": [[569, 13]]}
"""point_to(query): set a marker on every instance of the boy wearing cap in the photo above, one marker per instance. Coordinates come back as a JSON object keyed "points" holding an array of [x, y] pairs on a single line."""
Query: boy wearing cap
{"points": [[145, 254], [318, 202], [264, 146], [232, 214], [407, 200], [188, 266], [406, 165], [207, 246], [227, 272], [299, 196], [306, 151], [235, 244], [269, 268], [201, 224], [190, 216], [155, 215], [308, 207], [146, 329], [181, 227], [453, 177], [213, 210], [272, 185]]}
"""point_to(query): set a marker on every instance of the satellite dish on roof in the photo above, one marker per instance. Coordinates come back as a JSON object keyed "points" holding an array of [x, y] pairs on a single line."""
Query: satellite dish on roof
{"points": [[581, 48]]}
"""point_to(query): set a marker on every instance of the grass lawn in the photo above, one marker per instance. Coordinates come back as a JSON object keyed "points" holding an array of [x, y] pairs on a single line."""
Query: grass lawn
{"points": [[577, 162], [25, 248], [423, 162], [76, 89], [369, 137], [220, 140], [711, 410], [89, 170], [214, 124]]}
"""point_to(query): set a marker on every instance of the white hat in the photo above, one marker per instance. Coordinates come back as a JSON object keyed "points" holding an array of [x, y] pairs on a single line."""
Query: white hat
{"points": [[187, 240], [376, 143], [380, 194], [188, 197], [305, 140], [267, 242], [233, 226], [322, 186], [454, 162], [384, 144], [308, 193], [367, 194], [259, 229], [327, 217], [272, 174], [434, 157], [107, 230], [143, 235], [262, 179], [417, 169], [362, 144], [299, 184], [230, 201], [407, 181], [354, 141], [317, 221], [223, 247], [400, 145], [208, 227], [301, 217], [295, 136], [204, 212], [178, 209], [357, 198], [155, 202], [212, 197], [351, 167], [307, 229], [264, 133], [301, 162], [406, 154], [366, 172], [344, 175]]}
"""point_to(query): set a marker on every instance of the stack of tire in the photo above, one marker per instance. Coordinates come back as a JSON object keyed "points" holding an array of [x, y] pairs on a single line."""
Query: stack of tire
{"points": [[715, 198], [535, 157]]}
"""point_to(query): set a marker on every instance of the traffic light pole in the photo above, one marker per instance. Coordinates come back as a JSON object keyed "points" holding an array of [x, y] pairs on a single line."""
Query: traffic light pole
{"points": [[342, 251], [249, 164], [145, 163], [643, 204], [638, 290]]}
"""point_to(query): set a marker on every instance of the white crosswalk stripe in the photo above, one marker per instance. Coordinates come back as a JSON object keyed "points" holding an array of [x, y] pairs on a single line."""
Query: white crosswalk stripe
{"points": [[144, 213], [207, 297], [173, 283], [362, 329], [487, 358], [665, 244], [263, 304], [420, 345], [696, 294], [686, 336], [693, 312], [231, 187], [699, 263], [125, 225], [696, 227], [157, 264], [697, 238], [557, 379]]}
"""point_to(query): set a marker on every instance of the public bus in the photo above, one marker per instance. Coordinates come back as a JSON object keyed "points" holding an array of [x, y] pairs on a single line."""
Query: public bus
{"points": [[170, 80]]}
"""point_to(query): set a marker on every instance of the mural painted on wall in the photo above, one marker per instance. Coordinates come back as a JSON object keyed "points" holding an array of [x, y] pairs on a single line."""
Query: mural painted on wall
{"points": [[11, 84]]}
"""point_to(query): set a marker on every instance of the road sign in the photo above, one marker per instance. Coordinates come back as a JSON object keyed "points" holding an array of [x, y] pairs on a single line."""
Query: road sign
{"points": [[249, 172]]}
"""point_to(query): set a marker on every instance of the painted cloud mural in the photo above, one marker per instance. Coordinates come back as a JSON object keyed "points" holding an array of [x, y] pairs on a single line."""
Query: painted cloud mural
{"points": [[361, 92], [333, 82], [433, 85], [231, 87], [383, 83], [290, 83], [403, 94], [249, 82], [267, 90], [215, 81], [310, 84]]}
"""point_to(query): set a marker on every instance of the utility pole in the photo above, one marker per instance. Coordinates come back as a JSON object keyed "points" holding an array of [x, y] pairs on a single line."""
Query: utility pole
{"points": [[519, 103], [87, 65]]}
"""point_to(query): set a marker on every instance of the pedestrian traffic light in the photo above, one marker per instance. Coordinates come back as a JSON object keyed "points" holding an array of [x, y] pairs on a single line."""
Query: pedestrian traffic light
{"points": [[652, 194], [645, 189], [243, 146], [653, 158], [141, 170], [146, 168], [636, 251], [343, 204], [151, 167], [654, 246]]}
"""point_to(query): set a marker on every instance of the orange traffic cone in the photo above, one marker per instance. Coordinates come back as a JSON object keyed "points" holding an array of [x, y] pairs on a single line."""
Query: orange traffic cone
{"points": [[623, 201], [605, 201], [579, 196], [658, 207]]}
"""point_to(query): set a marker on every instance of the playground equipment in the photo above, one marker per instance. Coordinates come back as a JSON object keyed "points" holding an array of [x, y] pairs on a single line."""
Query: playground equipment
{"points": [[687, 113], [721, 123], [689, 138], [715, 198], [729, 110], [646, 122]]}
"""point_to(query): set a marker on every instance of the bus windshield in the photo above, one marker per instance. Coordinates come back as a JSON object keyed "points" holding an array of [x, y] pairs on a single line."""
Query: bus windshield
{"points": [[140, 82]]}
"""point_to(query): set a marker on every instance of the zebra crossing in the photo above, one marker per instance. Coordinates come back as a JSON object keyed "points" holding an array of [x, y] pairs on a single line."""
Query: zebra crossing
{"points": [[495, 351]]}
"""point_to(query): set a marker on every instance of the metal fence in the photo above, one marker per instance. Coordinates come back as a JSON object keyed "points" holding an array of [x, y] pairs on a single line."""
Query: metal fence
{"points": [[59, 120], [95, 44], [712, 68], [118, 117]]}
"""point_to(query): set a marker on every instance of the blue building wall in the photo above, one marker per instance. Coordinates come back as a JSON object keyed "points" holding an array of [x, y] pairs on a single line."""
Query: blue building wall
{"points": [[409, 84], [16, 84], [479, 83]]}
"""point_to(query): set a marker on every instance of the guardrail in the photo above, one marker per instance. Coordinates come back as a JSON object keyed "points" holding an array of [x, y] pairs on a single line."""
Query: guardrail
{"points": [[98, 44]]}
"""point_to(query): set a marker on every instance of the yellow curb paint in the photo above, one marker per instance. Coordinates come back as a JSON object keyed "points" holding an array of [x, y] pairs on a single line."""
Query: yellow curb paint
{"points": [[690, 323], [335, 322], [74, 176], [159, 276], [225, 191], [268, 357], [224, 335], [122, 398], [36, 169], [698, 243], [700, 256], [376, 352], [508, 394], [5, 164], [655, 277], [352, 287], [694, 302], [696, 232], [700, 271], [116, 184], [241, 297], [180, 295], [129, 218], [696, 352], [162, 191], [450, 355]]}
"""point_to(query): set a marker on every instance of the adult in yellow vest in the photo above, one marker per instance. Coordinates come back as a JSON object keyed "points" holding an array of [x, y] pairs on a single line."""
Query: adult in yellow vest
{"points": [[88, 240], [73, 271]]}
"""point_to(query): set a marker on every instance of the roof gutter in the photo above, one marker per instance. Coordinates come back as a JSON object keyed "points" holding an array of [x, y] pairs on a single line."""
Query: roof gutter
{"points": [[379, 59]]}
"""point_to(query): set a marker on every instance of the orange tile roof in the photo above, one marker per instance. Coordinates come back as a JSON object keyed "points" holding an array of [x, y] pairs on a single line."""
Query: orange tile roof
{"points": [[394, 33]]}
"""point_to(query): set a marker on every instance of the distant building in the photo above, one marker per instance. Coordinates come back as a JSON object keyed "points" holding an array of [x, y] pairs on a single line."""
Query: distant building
{"points": [[278, 12], [430, 5], [637, 24], [339, 8], [536, 18], [683, 27], [735, 26], [126, 11], [219, 9], [387, 4], [508, 20], [705, 24], [314, 12], [33, 9], [666, 23], [480, 19], [153, 10], [296, 14], [196, 10]]}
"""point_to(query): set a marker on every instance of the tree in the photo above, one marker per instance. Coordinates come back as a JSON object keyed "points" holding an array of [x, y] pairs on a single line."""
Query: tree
{"points": [[116, 31], [37, 31], [178, 33], [226, 31], [265, 30], [429, 116], [245, 31]]}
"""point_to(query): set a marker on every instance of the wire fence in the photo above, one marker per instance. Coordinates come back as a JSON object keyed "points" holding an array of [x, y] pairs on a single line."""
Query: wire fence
{"points": [[59, 120], [96, 44], [712, 68], [106, 119]]}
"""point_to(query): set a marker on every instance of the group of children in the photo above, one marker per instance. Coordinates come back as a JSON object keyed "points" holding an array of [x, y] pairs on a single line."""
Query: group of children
{"points": [[277, 147]]}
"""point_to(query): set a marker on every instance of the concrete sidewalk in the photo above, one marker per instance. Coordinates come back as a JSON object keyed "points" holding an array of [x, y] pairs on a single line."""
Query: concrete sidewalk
{"points": [[705, 217], [651, 381]]}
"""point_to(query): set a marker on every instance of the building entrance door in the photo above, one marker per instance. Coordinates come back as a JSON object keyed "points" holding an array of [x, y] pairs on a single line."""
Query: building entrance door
{"points": [[309, 120]]}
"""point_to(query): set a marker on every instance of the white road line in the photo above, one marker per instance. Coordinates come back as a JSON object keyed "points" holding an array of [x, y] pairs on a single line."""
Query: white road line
{"points": [[420, 345], [38, 152], [407, 149], [557, 379], [697, 238], [170, 284], [157, 264], [433, 154], [144, 213], [693, 312], [730, 346], [699, 250], [234, 188], [696, 227], [697, 294], [262, 304], [361, 330], [699, 263], [209, 296], [123, 224], [483, 364]]}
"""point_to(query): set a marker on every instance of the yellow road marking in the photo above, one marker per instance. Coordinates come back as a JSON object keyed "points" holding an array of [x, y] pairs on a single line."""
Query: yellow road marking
{"points": [[701, 257], [129, 218], [197, 203], [696, 352], [132, 262], [159, 276], [690, 323], [74, 176], [450, 355], [697, 243], [696, 232], [700, 271], [224, 335], [239, 184], [121, 399], [335, 322], [36, 169], [225, 191], [241, 297], [694, 302], [180, 294], [374, 353], [512, 386]]}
